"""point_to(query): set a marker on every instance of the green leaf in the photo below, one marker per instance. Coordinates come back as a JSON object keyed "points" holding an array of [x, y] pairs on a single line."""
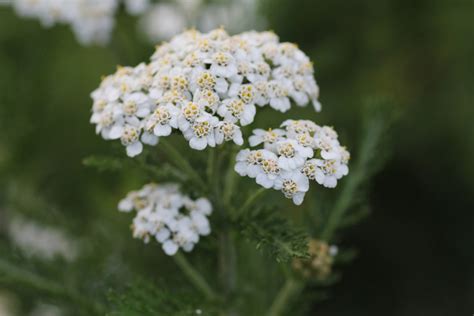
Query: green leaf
{"points": [[379, 116], [25, 278], [274, 234], [165, 172], [145, 298], [105, 163]]}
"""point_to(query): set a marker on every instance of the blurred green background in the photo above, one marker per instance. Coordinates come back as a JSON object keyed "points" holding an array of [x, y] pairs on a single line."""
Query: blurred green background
{"points": [[415, 251]]}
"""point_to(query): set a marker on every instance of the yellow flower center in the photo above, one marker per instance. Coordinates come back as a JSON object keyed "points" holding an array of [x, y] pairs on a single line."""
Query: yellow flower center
{"points": [[236, 107], [286, 150], [270, 166], [228, 130], [206, 80], [130, 135], [289, 188], [130, 107], [201, 129], [179, 83], [190, 111]]}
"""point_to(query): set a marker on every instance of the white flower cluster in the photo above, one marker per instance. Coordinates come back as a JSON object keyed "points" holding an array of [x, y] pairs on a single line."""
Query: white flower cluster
{"points": [[204, 85], [41, 241], [293, 156], [92, 21], [173, 219], [166, 19]]}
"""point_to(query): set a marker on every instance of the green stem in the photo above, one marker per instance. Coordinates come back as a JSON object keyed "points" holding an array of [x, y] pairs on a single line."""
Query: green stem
{"points": [[230, 178], [177, 158], [340, 208], [227, 253], [26, 279], [360, 172], [227, 266], [291, 288], [211, 167], [251, 200], [194, 276]]}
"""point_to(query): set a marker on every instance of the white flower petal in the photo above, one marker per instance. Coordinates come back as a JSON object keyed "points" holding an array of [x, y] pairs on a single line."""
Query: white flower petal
{"points": [[198, 143], [134, 149], [170, 247], [162, 130], [116, 131], [298, 198]]}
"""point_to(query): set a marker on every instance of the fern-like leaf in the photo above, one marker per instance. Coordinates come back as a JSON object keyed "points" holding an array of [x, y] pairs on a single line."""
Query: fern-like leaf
{"points": [[274, 234], [144, 298]]}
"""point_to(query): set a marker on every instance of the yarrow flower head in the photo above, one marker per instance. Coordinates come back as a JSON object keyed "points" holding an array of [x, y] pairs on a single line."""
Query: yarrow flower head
{"points": [[170, 217], [293, 156], [41, 241], [204, 86], [92, 21], [319, 265]]}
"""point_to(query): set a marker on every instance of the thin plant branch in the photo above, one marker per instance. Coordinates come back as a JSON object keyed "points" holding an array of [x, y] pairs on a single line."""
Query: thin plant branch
{"points": [[251, 200], [194, 276], [177, 158], [30, 280], [289, 290]]}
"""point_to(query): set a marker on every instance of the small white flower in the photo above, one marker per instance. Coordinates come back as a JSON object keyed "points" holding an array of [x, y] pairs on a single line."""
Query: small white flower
{"points": [[136, 104], [200, 223], [262, 97], [261, 72], [207, 99], [201, 133], [163, 120], [189, 113], [295, 127], [294, 185], [329, 147], [227, 131], [201, 205], [292, 154], [173, 219], [241, 164], [278, 95], [269, 170], [267, 137], [248, 162], [235, 110], [131, 139], [223, 65], [329, 171]]}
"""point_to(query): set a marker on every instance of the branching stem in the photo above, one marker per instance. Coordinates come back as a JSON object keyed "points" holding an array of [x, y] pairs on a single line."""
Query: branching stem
{"points": [[194, 276], [177, 158], [28, 279], [341, 206], [291, 288], [369, 143], [251, 200]]}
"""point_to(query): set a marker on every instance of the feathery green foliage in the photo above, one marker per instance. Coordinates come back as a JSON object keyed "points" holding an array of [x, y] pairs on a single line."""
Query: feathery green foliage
{"points": [[272, 233], [153, 298]]}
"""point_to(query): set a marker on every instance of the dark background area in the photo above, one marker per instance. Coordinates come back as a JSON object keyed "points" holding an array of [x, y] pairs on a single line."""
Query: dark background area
{"points": [[415, 252]]}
